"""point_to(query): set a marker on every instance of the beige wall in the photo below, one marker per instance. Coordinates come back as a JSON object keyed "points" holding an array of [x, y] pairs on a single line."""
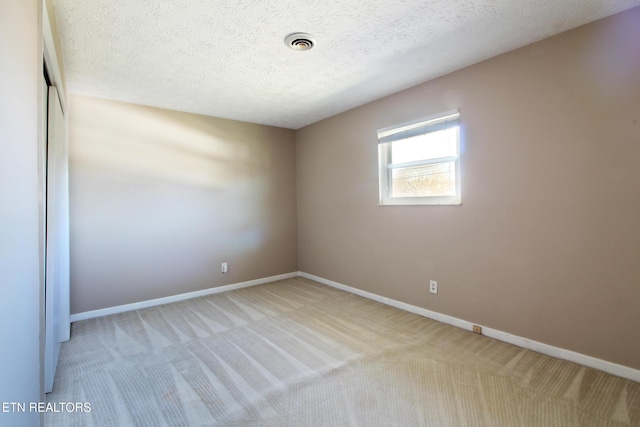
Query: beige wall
{"points": [[546, 243], [159, 199]]}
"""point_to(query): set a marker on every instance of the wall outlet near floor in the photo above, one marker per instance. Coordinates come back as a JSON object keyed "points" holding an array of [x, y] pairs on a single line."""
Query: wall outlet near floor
{"points": [[224, 267], [477, 329], [433, 286]]}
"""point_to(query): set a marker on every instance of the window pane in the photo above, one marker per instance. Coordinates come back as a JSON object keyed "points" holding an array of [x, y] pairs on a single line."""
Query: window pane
{"points": [[438, 179], [428, 146]]}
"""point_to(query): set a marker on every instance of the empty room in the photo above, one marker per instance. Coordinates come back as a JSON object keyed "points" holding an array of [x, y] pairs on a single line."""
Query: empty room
{"points": [[338, 213]]}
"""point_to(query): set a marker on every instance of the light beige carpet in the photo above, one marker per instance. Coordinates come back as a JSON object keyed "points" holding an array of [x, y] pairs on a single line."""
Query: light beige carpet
{"points": [[298, 353]]}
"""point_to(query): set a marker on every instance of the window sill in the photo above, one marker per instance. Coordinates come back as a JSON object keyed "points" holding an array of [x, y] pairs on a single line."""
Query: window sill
{"points": [[422, 201]]}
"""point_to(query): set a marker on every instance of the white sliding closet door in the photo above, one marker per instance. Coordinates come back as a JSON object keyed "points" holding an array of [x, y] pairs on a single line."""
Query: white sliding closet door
{"points": [[57, 239]]}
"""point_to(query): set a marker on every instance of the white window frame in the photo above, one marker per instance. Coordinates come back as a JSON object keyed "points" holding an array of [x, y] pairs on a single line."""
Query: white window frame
{"points": [[387, 136]]}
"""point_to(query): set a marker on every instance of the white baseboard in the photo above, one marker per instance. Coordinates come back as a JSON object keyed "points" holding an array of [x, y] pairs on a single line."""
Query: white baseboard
{"points": [[174, 298], [549, 350]]}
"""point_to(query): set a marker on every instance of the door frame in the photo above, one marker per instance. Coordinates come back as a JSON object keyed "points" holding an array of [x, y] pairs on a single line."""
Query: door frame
{"points": [[54, 329]]}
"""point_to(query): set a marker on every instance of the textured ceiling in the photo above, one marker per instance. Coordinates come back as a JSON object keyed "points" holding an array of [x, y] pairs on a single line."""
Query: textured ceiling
{"points": [[228, 58]]}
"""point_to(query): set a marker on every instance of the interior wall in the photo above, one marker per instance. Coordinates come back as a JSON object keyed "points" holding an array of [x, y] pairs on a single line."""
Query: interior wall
{"points": [[545, 244], [20, 291], [159, 199]]}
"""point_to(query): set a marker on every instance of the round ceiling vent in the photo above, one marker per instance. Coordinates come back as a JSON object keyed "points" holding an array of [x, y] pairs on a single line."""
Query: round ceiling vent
{"points": [[300, 41]]}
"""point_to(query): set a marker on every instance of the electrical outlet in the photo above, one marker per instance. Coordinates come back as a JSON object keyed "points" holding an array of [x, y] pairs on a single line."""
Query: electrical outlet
{"points": [[477, 329], [433, 286], [224, 267]]}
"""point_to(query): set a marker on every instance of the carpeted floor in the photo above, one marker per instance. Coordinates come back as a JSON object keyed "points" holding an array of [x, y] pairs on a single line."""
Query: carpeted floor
{"points": [[298, 353]]}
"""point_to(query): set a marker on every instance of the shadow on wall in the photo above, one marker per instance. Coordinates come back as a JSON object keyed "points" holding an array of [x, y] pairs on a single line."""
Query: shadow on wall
{"points": [[157, 150], [160, 198], [168, 145]]}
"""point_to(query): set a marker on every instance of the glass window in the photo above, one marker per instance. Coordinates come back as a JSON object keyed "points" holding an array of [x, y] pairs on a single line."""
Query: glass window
{"points": [[420, 163]]}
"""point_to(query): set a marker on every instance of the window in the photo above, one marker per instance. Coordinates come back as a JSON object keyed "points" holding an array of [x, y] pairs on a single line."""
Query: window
{"points": [[420, 162]]}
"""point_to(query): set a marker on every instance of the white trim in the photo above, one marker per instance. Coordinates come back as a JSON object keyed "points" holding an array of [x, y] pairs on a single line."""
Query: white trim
{"points": [[51, 58], [549, 350], [52, 66], [422, 162], [175, 298], [431, 120]]}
